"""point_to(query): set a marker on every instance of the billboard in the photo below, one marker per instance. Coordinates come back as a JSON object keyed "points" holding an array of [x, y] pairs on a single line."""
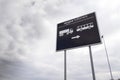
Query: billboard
{"points": [[78, 32]]}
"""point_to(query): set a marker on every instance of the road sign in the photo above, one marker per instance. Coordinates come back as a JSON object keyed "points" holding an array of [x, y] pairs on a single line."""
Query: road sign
{"points": [[78, 32]]}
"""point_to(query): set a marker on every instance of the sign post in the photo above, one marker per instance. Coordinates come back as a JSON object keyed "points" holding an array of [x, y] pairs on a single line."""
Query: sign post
{"points": [[92, 65], [65, 65]]}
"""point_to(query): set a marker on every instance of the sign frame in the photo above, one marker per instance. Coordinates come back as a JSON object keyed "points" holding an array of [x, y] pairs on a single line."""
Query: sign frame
{"points": [[72, 20]]}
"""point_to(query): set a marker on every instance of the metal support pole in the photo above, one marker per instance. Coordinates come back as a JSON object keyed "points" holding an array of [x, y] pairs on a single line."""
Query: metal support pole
{"points": [[92, 65], [108, 60], [65, 67]]}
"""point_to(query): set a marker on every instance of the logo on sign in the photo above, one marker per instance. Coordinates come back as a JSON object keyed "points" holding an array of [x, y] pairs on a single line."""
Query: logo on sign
{"points": [[85, 27], [65, 31]]}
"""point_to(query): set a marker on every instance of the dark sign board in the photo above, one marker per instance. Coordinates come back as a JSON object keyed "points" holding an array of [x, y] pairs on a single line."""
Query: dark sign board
{"points": [[77, 32]]}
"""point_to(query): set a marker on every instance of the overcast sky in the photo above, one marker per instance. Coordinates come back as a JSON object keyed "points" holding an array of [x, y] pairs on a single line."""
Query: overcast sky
{"points": [[28, 40]]}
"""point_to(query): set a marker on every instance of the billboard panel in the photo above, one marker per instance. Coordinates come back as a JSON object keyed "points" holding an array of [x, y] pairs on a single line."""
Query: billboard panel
{"points": [[77, 32]]}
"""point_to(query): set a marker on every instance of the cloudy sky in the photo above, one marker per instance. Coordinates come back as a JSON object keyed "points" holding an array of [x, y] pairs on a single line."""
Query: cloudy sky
{"points": [[28, 40]]}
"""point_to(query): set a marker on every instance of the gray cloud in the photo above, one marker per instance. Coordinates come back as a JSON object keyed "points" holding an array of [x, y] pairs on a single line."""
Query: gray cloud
{"points": [[17, 70], [19, 25], [22, 24]]}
